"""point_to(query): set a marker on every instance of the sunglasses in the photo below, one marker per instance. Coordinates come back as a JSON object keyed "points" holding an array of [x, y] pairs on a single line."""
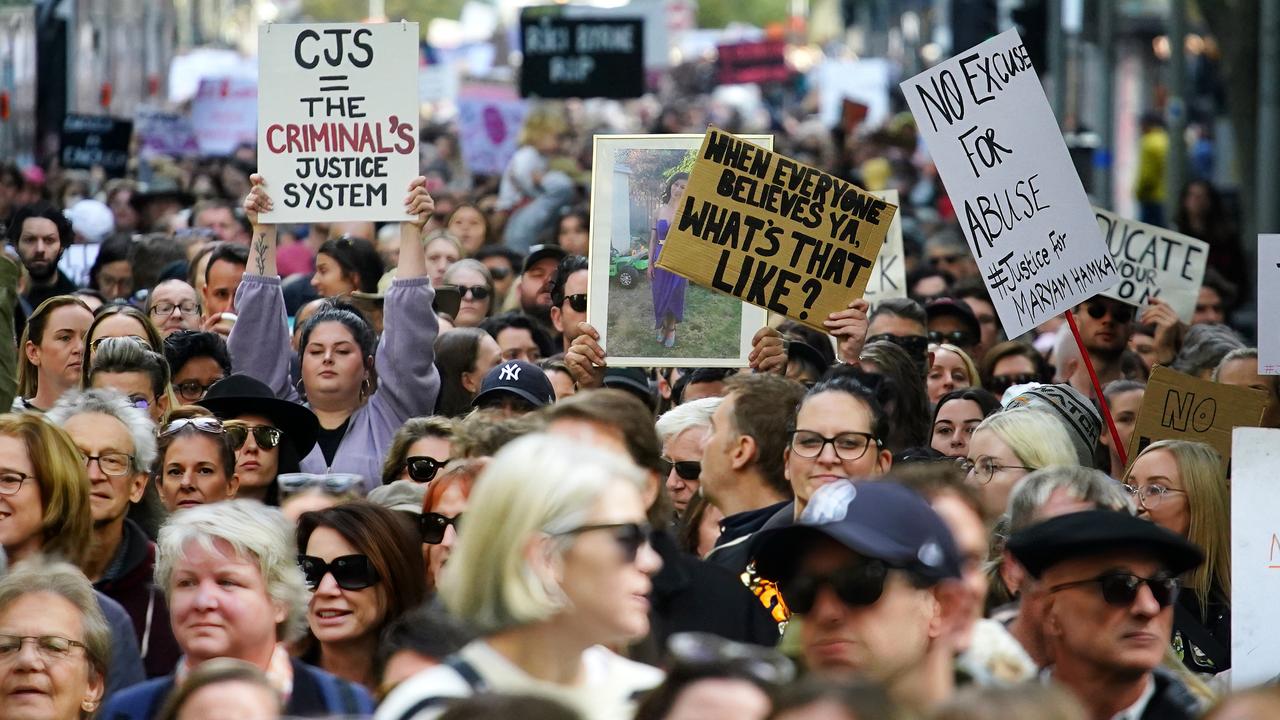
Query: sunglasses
{"points": [[959, 338], [332, 483], [685, 469], [917, 346], [265, 436], [351, 572], [1121, 589], [1000, 383], [477, 292], [1120, 313], [937, 260], [213, 426], [500, 272], [629, 536], [577, 301], [93, 346], [857, 585], [432, 526], [422, 468]]}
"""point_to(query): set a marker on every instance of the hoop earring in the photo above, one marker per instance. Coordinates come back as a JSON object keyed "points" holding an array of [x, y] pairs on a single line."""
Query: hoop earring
{"points": [[365, 387]]}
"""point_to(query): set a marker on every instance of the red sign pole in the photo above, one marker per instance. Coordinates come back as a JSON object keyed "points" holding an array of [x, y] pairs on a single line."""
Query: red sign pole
{"points": [[1097, 389]]}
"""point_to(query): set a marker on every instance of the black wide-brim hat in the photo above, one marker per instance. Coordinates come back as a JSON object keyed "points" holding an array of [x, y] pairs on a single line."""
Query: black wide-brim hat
{"points": [[238, 394]]}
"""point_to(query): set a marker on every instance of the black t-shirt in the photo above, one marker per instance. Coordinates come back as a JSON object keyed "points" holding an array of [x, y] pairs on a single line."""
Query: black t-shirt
{"points": [[328, 440]]}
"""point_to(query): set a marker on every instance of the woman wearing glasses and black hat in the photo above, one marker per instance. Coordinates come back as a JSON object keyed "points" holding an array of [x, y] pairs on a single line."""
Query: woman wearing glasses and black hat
{"points": [[270, 436]]}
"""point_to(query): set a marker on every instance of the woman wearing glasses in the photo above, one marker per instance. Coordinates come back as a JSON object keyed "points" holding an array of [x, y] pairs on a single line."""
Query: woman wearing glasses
{"points": [[419, 449], [230, 574], [338, 348], [269, 435], [552, 567], [475, 284], [1010, 444], [195, 461], [364, 569], [197, 360], [52, 352], [1179, 485], [442, 509]]}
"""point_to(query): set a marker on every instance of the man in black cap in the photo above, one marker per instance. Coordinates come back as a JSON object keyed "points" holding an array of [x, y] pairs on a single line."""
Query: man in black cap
{"points": [[951, 321], [534, 286], [1112, 582], [515, 388], [875, 574]]}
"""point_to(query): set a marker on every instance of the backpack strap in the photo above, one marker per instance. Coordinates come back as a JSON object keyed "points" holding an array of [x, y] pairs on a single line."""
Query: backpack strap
{"points": [[468, 674]]}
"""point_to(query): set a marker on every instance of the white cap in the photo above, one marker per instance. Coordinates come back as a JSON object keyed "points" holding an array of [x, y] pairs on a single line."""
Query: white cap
{"points": [[91, 219]]}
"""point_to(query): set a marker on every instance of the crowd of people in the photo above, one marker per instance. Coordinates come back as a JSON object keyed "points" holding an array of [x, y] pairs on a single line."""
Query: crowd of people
{"points": [[354, 469]]}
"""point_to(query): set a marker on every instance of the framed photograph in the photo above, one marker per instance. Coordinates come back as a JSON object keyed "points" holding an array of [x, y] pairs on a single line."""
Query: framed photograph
{"points": [[646, 316]]}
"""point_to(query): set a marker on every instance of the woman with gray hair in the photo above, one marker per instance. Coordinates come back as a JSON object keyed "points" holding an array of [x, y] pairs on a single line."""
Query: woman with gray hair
{"points": [[552, 566], [54, 643], [229, 572]]}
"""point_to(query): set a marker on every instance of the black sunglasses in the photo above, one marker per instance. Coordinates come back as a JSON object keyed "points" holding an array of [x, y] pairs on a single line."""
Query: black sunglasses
{"points": [[577, 301], [1000, 383], [478, 292], [422, 468], [915, 345], [499, 272], [685, 469], [959, 338], [351, 572], [265, 436], [432, 526], [1121, 589], [629, 536], [857, 585], [1120, 313]]}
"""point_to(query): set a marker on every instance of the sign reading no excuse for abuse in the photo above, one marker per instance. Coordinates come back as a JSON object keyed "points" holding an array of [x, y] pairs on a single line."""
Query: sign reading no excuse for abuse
{"points": [[989, 129], [338, 120], [773, 232]]}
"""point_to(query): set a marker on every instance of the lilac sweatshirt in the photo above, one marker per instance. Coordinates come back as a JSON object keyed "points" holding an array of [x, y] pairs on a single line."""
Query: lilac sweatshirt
{"points": [[407, 379]]}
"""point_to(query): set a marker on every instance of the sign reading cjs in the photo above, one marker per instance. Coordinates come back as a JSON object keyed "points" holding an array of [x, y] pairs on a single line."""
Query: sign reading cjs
{"points": [[774, 232]]}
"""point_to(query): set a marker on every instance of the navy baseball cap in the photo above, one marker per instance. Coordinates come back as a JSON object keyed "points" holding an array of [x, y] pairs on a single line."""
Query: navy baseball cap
{"points": [[1090, 532], [519, 378], [876, 519]]}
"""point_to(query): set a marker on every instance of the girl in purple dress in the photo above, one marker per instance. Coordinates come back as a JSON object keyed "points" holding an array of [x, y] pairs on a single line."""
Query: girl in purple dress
{"points": [[668, 288]]}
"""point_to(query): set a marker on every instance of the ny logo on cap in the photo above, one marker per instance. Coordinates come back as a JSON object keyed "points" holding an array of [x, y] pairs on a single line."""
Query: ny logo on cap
{"points": [[510, 372]]}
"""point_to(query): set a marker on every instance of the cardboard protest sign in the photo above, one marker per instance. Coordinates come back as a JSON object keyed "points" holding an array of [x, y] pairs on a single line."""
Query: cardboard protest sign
{"points": [[752, 62], [775, 233], [1268, 304], [989, 129], [89, 140], [164, 133], [580, 57], [1177, 406], [889, 273], [224, 114], [1154, 262], [338, 130], [1255, 557], [489, 122]]}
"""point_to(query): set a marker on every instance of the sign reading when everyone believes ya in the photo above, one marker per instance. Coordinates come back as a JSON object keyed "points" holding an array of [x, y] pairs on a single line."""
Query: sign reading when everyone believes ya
{"points": [[338, 120], [774, 232], [1154, 262], [989, 129]]}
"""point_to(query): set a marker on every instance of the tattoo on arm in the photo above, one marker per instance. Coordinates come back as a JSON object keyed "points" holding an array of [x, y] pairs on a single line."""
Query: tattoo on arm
{"points": [[260, 245]]}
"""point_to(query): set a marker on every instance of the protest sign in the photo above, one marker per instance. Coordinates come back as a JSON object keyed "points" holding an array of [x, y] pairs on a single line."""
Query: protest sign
{"points": [[1154, 262], [89, 140], [752, 62], [775, 233], [489, 122], [1268, 304], [164, 133], [1255, 557], [1177, 406], [865, 82], [587, 57], [338, 137], [224, 114], [889, 273], [989, 129]]}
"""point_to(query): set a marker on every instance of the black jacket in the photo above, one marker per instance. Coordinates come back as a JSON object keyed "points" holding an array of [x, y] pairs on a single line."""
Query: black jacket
{"points": [[732, 551], [1172, 700]]}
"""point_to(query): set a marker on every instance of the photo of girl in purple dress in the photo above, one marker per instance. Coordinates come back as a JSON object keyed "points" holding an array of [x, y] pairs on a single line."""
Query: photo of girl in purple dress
{"points": [[667, 287]]}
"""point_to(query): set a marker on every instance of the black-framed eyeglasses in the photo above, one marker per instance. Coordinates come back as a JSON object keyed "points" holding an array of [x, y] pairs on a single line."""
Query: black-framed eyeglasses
{"points": [[1120, 313], [959, 338], [164, 309], [848, 446], [685, 469], [213, 426], [629, 536], [331, 483], [53, 648], [191, 390], [266, 437], [1149, 496], [1000, 383], [432, 526], [915, 345], [112, 464], [422, 468], [1121, 589], [857, 585], [477, 292], [351, 572], [11, 481], [577, 301], [985, 468]]}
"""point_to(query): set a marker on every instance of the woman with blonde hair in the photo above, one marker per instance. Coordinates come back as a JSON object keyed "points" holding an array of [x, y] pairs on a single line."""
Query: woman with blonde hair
{"points": [[1179, 485], [1007, 446], [44, 491], [952, 369]]}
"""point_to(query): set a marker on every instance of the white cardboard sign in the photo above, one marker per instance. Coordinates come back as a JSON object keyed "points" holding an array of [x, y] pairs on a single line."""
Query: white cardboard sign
{"points": [[1154, 262], [987, 124], [338, 120], [224, 114], [1268, 304], [889, 273], [1255, 557]]}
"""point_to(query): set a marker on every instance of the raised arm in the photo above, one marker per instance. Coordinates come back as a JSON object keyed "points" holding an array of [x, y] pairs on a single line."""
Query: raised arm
{"points": [[413, 255], [262, 249]]}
